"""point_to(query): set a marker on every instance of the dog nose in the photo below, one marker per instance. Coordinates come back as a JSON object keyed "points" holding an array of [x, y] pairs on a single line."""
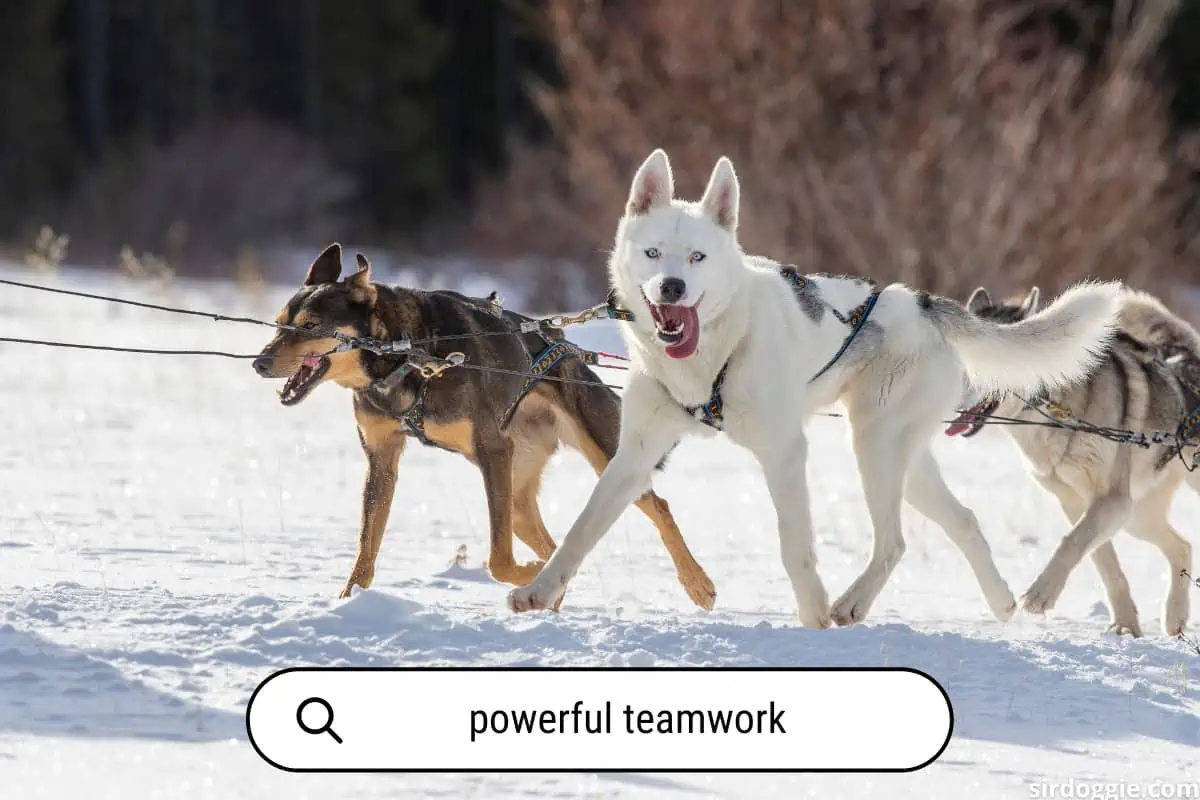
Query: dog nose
{"points": [[671, 289], [262, 365]]}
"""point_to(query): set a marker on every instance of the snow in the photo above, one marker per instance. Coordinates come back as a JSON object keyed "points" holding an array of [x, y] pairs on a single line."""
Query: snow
{"points": [[171, 535]]}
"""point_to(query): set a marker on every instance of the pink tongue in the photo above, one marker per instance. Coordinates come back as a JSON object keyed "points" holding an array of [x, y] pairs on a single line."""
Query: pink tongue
{"points": [[312, 362], [956, 427], [685, 315], [962, 422]]}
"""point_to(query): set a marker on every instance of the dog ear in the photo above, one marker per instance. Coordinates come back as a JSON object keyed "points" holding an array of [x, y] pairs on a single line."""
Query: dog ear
{"points": [[979, 300], [1030, 306], [653, 186], [327, 268], [721, 198], [361, 288]]}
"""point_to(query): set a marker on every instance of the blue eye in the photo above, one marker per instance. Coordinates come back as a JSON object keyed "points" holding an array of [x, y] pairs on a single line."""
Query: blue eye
{"points": [[652, 252], [696, 257]]}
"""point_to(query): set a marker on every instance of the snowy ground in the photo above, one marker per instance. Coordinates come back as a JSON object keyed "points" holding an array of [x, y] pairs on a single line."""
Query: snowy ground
{"points": [[171, 535]]}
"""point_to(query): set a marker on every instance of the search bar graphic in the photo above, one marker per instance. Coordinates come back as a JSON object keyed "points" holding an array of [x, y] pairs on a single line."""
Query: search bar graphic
{"points": [[599, 719]]}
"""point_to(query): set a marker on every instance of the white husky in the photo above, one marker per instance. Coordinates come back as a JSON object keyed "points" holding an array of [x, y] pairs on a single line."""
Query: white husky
{"points": [[724, 340]]}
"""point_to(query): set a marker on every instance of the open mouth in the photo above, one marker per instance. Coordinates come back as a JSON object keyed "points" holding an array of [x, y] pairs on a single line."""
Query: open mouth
{"points": [[304, 380], [971, 421], [678, 327]]}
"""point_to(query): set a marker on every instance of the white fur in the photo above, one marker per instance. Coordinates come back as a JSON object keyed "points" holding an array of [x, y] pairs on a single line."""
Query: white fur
{"points": [[898, 384]]}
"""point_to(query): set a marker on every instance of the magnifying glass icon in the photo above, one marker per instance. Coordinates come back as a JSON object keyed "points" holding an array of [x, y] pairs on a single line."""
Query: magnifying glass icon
{"points": [[324, 727]]}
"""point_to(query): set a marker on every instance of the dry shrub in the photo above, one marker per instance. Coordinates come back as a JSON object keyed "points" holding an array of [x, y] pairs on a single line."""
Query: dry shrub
{"points": [[940, 142], [48, 250], [202, 198]]}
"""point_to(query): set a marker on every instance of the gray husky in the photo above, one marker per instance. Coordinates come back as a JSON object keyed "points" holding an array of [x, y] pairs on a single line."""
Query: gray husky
{"points": [[1148, 381]]}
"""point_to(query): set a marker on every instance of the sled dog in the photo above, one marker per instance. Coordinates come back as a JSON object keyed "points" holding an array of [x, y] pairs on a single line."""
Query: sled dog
{"points": [[504, 423], [1148, 380], [724, 341]]}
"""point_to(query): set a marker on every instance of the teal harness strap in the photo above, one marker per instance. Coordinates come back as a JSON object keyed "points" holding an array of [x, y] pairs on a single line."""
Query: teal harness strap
{"points": [[856, 321], [712, 413], [414, 418], [613, 311], [541, 364]]}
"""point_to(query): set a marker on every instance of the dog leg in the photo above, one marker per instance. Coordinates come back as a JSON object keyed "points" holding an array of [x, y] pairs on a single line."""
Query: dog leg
{"points": [[1122, 610], [619, 485], [383, 441], [1149, 523], [786, 472], [926, 492], [1099, 522], [883, 460], [527, 516], [645, 439], [599, 451], [695, 580], [1124, 613], [495, 463], [530, 528]]}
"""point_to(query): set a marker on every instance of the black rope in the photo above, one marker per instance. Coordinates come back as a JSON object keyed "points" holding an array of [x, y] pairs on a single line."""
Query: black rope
{"points": [[539, 377], [358, 342], [139, 304], [108, 348], [1076, 424]]}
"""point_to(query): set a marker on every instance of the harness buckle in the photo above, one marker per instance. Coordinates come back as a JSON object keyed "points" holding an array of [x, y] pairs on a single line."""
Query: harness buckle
{"points": [[434, 370], [1058, 411], [560, 321]]}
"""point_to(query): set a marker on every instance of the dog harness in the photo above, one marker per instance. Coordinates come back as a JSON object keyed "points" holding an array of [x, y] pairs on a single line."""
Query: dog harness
{"points": [[542, 363], [539, 365], [1190, 424], [414, 418], [712, 412]]}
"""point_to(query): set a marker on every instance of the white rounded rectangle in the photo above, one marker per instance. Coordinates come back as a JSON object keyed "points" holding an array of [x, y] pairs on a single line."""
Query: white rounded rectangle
{"points": [[599, 719]]}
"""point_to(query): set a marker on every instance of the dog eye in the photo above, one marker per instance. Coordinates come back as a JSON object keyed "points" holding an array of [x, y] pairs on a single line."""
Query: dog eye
{"points": [[308, 326], [652, 252], [696, 257]]}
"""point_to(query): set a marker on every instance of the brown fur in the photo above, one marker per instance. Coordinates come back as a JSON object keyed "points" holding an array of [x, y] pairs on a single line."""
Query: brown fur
{"points": [[462, 410]]}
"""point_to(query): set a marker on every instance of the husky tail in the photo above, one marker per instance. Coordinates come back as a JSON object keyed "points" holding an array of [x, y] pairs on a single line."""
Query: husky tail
{"points": [[1053, 347]]}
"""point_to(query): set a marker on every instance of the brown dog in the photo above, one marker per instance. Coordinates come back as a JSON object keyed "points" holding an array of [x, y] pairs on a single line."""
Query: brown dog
{"points": [[505, 424]]}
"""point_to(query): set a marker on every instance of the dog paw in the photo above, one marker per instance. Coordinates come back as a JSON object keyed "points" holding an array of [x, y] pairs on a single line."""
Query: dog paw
{"points": [[356, 582], [851, 608], [535, 597], [1041, 597], [818, 622], [1128, 628], [514, 573], [1005, 610], [700, 589], [1175, 615]]}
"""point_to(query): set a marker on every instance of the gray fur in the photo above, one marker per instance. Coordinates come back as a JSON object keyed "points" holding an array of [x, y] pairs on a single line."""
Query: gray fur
{"points": [[1143, 383], [808, 295]]}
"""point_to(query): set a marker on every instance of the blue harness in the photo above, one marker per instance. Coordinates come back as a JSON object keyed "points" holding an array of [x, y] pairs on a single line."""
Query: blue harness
{"points": [[541, 364]]}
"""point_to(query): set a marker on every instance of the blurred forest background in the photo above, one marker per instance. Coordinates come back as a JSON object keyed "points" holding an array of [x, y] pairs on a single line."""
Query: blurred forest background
{"points": [[943, 142]]}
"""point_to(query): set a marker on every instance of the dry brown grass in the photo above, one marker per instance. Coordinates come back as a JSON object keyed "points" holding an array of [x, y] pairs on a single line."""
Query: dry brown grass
{"points": [[940, 142], [47, 251]]}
